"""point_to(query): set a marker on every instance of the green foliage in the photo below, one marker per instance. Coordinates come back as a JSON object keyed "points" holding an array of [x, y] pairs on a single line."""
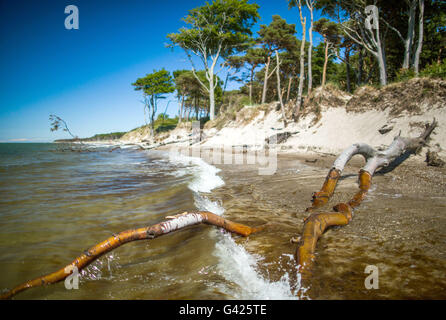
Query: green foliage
{"points": [[435, 70], [155, 84], [189, 86], [328, 29], [105, 136], [217, 29], [278, 35], [164, 123], [317, 64], [337, 74], [434, 48], [235, 62], [181, 81], [277, 38], [234, 101], [162, 116], [161, 124], [220, 27], [396, 13], [154, 87], [404, 75], [240, 103], [196, 98], [223, 29], [253, 58]]}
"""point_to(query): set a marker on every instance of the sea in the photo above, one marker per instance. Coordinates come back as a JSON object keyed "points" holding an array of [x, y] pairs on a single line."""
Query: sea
{"points": [[56, 202]]}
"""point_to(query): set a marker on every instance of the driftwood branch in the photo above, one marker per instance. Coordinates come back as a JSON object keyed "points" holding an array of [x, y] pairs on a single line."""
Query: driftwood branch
{"points": [[316, 223], [172, 223]]}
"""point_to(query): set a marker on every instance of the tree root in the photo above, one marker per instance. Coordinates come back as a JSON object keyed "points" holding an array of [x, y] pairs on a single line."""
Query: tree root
{"points": [[173, 223], [316, 224], [321, 198]]}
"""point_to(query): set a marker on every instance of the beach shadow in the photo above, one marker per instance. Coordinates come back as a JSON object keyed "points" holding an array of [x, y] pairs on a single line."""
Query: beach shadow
{"points": [[395, 163], [345, 176]]}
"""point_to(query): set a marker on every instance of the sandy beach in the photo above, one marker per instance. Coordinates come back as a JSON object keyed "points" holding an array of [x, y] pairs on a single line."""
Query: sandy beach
{"points": [[399, 227]]}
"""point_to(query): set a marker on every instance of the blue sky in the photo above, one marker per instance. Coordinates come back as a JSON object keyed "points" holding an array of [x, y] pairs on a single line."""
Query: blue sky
{"points": [[84, 76]]}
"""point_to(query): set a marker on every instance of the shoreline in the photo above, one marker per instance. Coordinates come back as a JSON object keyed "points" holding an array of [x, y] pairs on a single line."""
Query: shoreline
{"points": [[399, 227]]}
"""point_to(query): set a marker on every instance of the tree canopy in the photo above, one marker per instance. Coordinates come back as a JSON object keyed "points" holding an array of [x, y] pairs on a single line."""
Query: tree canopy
{"points": [[154, 86], [215, 30], [219, 36]]}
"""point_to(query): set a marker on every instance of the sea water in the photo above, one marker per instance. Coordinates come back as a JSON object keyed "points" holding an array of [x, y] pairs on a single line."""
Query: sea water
{"points": [[55, 203]]}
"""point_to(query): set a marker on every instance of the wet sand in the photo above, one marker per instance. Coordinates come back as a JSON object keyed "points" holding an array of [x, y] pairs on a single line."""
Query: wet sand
{"points": [[400, 227]]}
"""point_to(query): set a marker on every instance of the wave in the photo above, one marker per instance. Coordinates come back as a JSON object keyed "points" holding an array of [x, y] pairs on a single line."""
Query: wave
{"points": [[240, 267], [206, 177], [236, 265]]}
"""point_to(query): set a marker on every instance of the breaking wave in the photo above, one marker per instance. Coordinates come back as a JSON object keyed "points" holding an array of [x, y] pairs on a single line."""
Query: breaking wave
{"points": [[235, 264]]}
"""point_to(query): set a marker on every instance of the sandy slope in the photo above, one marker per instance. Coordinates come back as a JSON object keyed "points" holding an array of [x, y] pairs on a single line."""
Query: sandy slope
{"points": [[342, 123], [339, 120], [338, 129]]}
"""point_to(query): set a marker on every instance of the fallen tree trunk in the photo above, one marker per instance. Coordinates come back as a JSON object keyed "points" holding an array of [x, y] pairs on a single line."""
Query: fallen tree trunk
{"points": [[279, 137], [316, 223], [173, 223]]}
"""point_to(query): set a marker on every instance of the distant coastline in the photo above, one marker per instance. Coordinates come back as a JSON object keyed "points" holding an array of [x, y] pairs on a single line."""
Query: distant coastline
{"points": [[96, 137]]}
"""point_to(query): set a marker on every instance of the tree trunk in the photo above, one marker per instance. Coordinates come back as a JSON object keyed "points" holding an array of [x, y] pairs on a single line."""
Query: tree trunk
{"points": [[381, 58], [290, 80], [302, 67], [382, 69], [408, 43], [347, 64], [279, 91], [416, 62], [224, 87], [265, 80], [317, 223], [324, 70], [360, 67], [380, 54], [181, 109], [173, 223], [211, 94], [196, 108], [152, 117], [310, 50], [250, 85]]}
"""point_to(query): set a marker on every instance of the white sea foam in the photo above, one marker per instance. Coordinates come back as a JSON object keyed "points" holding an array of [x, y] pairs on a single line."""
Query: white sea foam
{"points": [[179, 173], [240, 267], [236, 265], [203, 203], [128, 146], [206, 177]]}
